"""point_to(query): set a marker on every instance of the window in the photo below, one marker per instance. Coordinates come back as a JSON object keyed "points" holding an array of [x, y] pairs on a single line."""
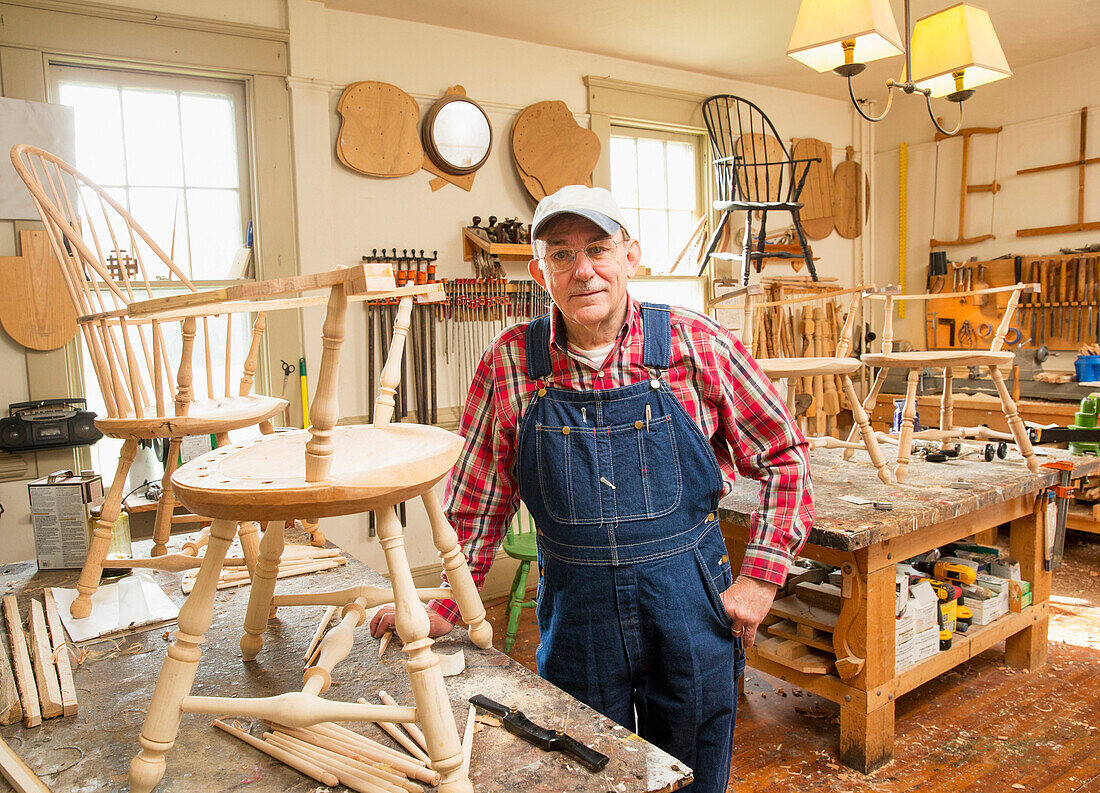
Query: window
{"points": [[173, 151], [654, 178]]}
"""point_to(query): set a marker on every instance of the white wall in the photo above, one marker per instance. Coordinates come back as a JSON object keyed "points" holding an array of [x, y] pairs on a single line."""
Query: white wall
{"points": [[1039, 110], [343, 214]]}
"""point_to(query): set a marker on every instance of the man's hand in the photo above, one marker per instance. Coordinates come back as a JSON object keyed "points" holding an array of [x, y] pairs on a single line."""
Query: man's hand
{"points": [[747, 602], [383, 621]]}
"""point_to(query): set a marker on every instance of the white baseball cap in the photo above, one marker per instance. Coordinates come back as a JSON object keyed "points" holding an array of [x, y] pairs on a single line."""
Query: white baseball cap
{"points": [[593, 203]]}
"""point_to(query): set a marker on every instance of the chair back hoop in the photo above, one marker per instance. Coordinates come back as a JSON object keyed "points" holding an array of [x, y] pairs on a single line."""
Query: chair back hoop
{"points": [[751, 162], [107, 260]]}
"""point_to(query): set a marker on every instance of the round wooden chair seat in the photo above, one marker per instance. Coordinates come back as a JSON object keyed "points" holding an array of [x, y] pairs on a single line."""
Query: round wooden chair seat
{"points": [[780, 368], [264, 479], [204, 417], [917, 359]]}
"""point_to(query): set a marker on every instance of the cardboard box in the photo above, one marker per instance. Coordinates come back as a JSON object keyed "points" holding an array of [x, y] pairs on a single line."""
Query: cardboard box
{"points": [[923, 603], [1019, 596], [1006, 568], [60, 510], [989, 609]]}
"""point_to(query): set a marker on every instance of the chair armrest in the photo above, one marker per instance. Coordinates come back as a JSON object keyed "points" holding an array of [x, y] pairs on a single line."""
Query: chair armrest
{"points": [[358, 279]]}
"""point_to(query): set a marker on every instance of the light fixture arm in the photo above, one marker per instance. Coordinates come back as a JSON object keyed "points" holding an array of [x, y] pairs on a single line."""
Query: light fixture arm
{"points": [[931, 115], [890, 85]]}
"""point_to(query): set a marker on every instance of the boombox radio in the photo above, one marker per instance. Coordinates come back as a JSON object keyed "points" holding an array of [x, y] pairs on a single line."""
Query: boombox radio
{"points": [[48, 424]]}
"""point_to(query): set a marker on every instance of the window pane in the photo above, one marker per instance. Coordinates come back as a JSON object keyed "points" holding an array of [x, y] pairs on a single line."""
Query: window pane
{"points": [[209, 140], [624, 171], [654, 236], [631, 218], [681, 176], [652, 191], [680, 226], [152, 126], [98, 131], [217, 213], [159, 210]]}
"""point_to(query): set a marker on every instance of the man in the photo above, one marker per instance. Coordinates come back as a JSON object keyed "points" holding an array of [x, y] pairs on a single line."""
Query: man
{"points": [[616, 424]]}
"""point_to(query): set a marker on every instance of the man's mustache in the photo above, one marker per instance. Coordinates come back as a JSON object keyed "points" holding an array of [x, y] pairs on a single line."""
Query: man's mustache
{"points": [[588, 286]]}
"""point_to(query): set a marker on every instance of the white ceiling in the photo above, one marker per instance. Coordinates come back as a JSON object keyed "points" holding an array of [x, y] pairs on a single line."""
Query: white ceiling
{"points": [[738, 39]]}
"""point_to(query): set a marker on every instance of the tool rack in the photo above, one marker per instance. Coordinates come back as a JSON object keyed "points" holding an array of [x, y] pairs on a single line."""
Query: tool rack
{"points": [[1064, 315]]}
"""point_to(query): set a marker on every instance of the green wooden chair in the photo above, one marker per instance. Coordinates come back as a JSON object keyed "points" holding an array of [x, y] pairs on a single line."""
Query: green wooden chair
{"points": [[519, 543]]}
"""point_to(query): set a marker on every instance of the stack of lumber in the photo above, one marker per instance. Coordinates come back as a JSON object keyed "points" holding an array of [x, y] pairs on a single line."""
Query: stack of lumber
{"points": [[801, 626], [36, 676]]}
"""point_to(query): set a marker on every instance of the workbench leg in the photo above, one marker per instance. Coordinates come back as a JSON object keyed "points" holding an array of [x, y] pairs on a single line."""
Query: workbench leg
{"points": [[166, 505], [1028, 648], [866, 739], [177, 673], [458, 573], [426, 678], [867, 726], [263, 588]]}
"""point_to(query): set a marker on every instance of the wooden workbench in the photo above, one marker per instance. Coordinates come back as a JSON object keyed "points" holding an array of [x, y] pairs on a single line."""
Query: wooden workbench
{"points": [[942, 503], [114, 691]]}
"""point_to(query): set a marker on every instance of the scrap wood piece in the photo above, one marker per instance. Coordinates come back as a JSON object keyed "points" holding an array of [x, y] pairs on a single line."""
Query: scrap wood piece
{"points": [[10, 709], [801, 658], [45, 673], [60, 654], [412, 729], [21, 661], [468, 741], [795, 610], [822, 595], [325, 620], [785, 629], [18, 773], [384, 642], [285, 757]]}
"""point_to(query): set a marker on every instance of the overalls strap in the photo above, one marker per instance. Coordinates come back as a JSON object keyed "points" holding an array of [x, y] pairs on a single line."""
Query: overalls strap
{"points": [[656, 353]]}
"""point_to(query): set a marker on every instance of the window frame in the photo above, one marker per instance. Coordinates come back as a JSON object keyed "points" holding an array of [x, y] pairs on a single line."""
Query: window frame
{"points": [[662, 133], [58, 68]]}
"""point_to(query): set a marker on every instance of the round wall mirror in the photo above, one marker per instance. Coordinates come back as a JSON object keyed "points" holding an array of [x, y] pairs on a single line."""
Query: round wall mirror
{"points": [[456, 135]]}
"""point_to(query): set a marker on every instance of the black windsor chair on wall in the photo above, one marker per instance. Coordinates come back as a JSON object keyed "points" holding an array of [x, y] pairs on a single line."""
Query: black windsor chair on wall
{"points": [[753, 173]]}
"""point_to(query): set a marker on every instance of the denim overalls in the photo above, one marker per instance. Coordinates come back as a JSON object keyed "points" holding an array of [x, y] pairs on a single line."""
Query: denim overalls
{"points": [[624, 490]]}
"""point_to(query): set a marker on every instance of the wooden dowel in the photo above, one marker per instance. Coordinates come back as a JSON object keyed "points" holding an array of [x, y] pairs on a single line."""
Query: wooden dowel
{"points": [[413, 767], [360, 762], [414, 731], [468, 741], [344, 768], [295, 761], [325, 620]]}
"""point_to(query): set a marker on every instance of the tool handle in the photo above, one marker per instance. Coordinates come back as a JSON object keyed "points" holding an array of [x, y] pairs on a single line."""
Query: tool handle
{"points": [[494, 707], [518, 724]]}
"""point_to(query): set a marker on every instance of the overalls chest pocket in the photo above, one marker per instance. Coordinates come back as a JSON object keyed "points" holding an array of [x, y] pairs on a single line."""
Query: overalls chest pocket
{"points": [[591, 475]]}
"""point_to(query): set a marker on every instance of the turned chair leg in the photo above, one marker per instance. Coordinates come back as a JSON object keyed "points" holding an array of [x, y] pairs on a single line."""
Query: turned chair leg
{"points": [[947, 404], [908, 423], [263, 588], [249, 534], [177, 673], [162, 528], [864, 424], [458, 573], [868, 407], [90, 573], [515, 604], [426, 678], [1015, 423], [316, 536]]}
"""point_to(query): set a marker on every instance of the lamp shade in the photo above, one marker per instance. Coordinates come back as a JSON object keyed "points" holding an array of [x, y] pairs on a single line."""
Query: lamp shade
{"points": [[822, 26], [957, 39]]}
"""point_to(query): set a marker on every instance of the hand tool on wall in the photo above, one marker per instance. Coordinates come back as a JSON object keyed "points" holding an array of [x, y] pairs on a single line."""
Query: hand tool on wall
{"points": [[1079, 275], [964, 187], [550, 740], [1063, 492], [1063, 311]]}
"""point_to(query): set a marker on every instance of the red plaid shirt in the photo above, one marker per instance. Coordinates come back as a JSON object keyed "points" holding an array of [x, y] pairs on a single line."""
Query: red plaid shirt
{"points": [[715, 379]]}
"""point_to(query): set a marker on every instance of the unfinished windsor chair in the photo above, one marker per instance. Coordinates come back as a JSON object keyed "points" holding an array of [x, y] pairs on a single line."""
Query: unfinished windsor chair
{"points": [[109, 261], [916, 360], [324, 471], [753, 172], [808, 369]]}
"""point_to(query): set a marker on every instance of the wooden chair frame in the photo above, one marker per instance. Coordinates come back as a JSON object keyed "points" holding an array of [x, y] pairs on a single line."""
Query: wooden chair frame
{"points": [[87, 229], [914, 362], [817, 371], [171, 697]]}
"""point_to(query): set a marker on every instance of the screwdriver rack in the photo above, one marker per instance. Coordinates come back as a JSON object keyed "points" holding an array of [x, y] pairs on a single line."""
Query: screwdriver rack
{"points": [[1064, 315]]}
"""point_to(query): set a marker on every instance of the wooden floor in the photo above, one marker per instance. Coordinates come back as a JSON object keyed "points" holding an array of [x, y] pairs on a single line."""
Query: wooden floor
{"points": [[982, 727]]}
